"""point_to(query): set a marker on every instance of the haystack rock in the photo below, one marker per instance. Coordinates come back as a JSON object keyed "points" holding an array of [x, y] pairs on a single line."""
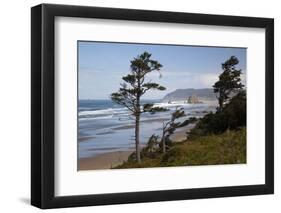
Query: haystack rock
{"points": [[183, 94], [193, 99]]}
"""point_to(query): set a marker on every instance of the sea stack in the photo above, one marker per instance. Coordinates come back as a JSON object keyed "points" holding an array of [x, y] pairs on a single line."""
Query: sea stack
{"points": [[193, 99]]}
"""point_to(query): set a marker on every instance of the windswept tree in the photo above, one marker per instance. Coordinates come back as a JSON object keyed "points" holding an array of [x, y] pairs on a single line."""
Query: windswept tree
{"points": [[229, 81], [135, 85], [170, 126]]}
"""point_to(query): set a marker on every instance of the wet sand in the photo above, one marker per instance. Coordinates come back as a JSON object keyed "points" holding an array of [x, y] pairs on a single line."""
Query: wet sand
{"points": [[103, 161], [181, 133], [113, 159], [85, 138], [132, 126]]}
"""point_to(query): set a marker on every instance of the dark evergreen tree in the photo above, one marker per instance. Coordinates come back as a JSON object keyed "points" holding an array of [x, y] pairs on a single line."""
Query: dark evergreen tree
{"points": [[134, 87], [229, 81], [231, 117]]}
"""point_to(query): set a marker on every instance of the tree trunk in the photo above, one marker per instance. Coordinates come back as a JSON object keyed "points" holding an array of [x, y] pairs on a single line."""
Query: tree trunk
{"points": [[163, 140], [220, 103], [228, 130], [228, 127], [164, 145], [221, 99], [137, 137], [137, 115]]}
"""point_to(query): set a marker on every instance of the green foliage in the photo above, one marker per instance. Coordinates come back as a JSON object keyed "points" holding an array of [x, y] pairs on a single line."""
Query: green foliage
{"points": [[147, 107], [218, 138], [148, 86], [231, 117], [152, 109], [151, 150], [154, 145], [229, 81], [188, 121], [236, 111], [158, 109], [226, 148], [134, 87], [170, 127]]}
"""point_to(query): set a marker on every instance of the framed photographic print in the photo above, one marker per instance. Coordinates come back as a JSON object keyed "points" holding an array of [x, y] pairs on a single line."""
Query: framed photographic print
{"points": [[140, 106]]}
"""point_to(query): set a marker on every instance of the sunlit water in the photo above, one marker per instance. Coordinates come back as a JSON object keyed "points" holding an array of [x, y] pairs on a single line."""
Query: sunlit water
{"points": [[106, 127]]}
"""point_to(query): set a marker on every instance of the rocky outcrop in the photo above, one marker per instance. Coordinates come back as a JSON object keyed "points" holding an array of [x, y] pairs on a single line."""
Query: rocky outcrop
{"points": [[193, 99], [184, 94]]}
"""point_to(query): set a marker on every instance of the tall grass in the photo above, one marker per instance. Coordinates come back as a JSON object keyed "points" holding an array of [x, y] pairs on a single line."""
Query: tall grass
{"points": [[225, 148]]}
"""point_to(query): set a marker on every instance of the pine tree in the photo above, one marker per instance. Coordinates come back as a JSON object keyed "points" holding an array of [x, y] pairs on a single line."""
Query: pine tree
{"points": [[170, 126], [134, 87], [229, 81]]}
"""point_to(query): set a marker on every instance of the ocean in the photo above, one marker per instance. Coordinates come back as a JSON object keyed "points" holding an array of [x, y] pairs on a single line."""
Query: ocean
{"points": [[104, 126]]}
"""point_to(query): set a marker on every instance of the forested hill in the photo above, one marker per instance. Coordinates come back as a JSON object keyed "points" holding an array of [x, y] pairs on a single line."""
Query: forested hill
{"points": [[183, 94]]}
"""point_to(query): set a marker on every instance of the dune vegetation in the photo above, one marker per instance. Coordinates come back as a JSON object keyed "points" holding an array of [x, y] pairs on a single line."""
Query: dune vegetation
{"points": [[225, 148], [217, 138]]}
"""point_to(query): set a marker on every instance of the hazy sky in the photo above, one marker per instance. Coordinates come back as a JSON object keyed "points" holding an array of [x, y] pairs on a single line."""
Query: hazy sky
{"points": [[101, 66]]}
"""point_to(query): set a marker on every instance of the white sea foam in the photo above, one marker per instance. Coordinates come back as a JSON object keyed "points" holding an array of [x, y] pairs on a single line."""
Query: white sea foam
{"points": [[172, 104], [109, 111], [175, 104], [96, 118]]}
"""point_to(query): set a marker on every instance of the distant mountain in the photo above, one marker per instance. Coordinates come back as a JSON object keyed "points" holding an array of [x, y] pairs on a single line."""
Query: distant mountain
{"points": [[184, 94]]}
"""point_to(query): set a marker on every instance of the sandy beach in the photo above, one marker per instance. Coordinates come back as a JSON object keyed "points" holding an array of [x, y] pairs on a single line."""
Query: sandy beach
{"points": [[103, 161], [181, 133], [112, 159]]}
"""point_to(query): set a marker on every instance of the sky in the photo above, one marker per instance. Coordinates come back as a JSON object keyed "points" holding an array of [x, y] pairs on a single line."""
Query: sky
{"points": [[101, 66]]}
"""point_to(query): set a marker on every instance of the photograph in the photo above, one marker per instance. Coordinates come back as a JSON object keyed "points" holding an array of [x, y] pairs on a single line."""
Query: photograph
{"points": [[134, 105], [160, 105]]}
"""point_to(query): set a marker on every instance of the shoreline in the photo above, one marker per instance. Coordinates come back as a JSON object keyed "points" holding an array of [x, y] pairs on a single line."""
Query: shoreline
{"points": [[116, 158], [103, 161], [181, 133]]}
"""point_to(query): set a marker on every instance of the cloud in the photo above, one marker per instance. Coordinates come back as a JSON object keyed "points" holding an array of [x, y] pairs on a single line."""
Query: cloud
{"points": [[244, 77], [201, 79], [208, 79], [168, 73]]}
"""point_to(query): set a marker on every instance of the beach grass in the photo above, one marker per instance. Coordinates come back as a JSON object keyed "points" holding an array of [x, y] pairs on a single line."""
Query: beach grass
{"points": [[226, 148]]}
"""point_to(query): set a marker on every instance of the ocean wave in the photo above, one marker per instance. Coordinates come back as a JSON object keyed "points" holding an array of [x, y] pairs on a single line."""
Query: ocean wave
{"points": [[109, 111], [175, 104], [95, 118]]}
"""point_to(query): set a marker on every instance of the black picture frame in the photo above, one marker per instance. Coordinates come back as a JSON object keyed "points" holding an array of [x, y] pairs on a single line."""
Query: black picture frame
{"points": [[43, 102]]}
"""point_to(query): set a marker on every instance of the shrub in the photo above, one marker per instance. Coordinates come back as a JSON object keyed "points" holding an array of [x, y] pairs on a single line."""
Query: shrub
{"points": [[231, 117]]}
